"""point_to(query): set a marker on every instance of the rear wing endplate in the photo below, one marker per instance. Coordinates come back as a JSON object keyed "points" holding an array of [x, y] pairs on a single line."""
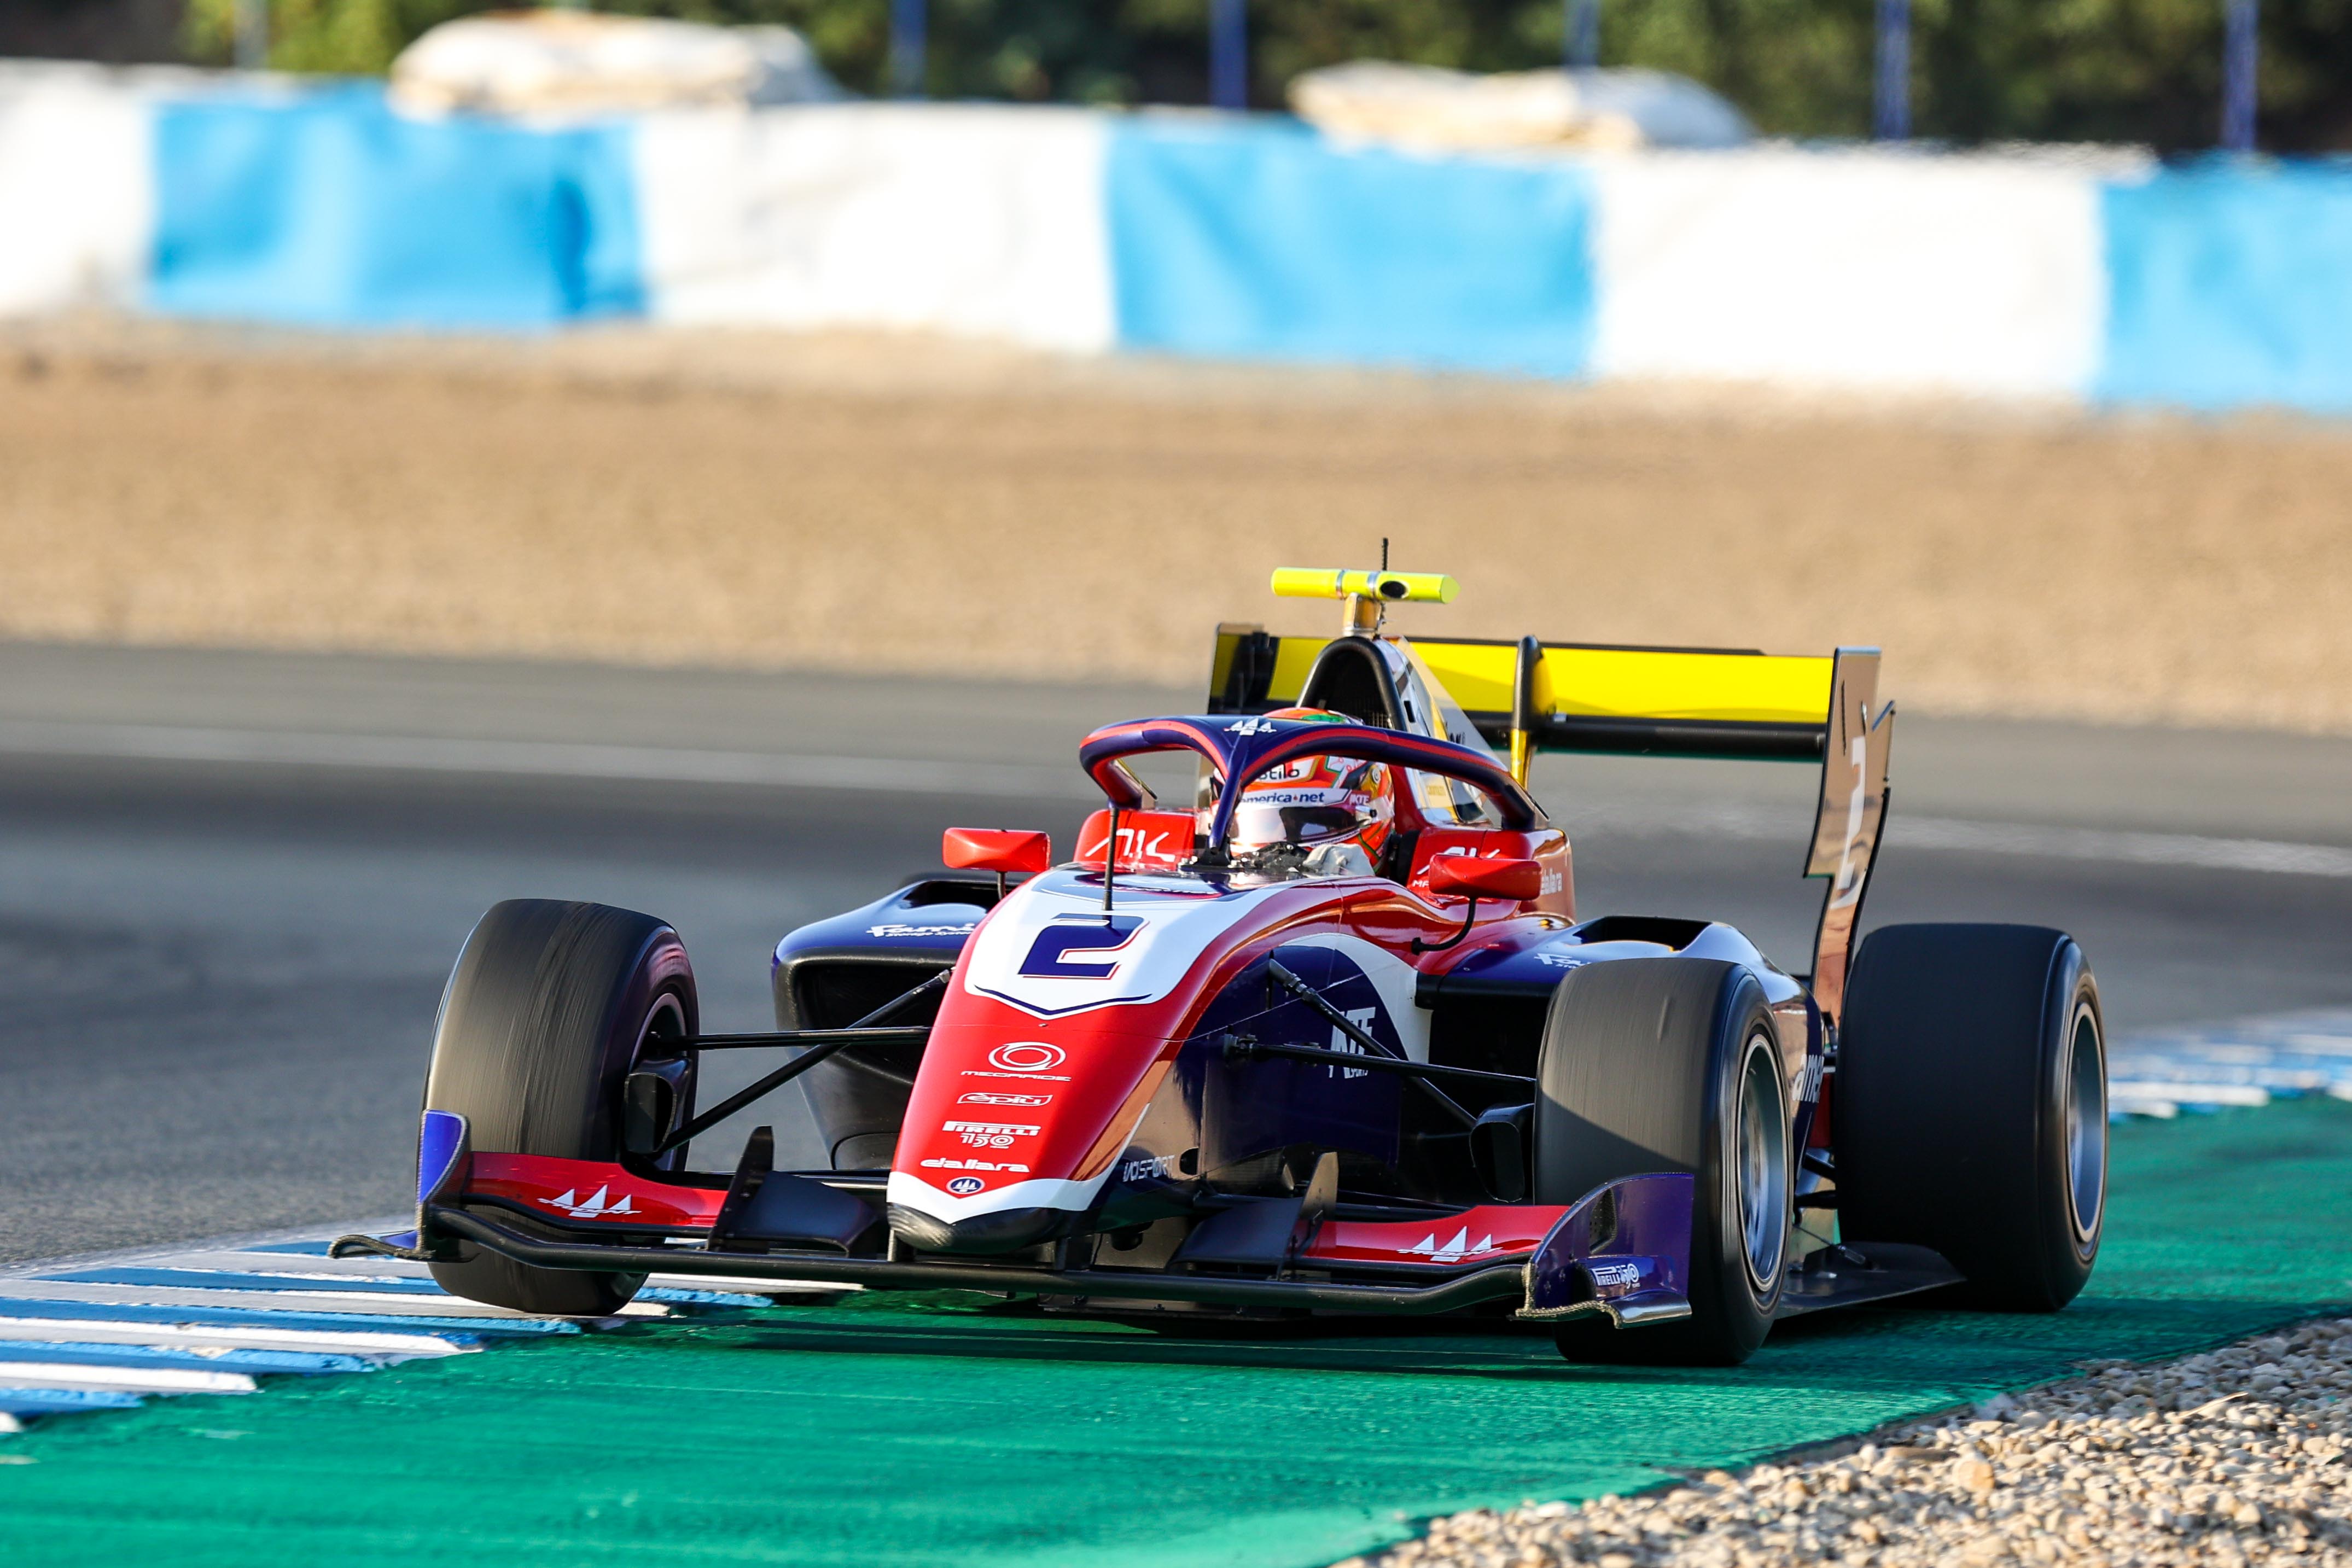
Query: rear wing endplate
{"points": [[1595, 698]]}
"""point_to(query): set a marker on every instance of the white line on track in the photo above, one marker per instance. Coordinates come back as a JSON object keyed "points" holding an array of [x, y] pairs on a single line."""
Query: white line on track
{"points": [[675, 765], [538, 758], [2035, 841], [2126, 848]]}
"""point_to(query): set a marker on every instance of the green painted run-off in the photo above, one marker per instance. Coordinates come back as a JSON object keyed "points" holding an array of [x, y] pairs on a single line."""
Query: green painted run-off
{"points": [[930, 1433]]}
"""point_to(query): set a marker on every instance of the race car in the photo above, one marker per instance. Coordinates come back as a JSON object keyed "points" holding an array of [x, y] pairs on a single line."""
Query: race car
{"points": [[1332, 1037]]}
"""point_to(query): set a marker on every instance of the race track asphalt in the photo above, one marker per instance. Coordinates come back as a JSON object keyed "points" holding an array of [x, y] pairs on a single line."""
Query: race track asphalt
{"points": [[231, 885]]}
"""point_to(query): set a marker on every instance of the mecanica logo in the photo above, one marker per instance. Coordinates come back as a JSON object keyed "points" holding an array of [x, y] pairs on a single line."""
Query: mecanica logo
{"points": [[1027, 1056]]}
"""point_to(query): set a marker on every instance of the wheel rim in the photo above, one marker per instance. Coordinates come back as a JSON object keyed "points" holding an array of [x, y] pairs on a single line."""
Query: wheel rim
{"points": [[2087, 1126], [1763, 1156], [664, 1021]]}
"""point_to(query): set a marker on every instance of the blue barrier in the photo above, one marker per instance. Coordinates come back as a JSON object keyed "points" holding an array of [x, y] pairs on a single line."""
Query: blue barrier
{"points": [[1258, 240], [2230, 284], [329, 210]]}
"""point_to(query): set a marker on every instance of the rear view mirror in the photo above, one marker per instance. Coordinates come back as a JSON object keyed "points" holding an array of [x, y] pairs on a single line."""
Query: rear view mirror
{"points": [[1001, 849], [1473, 876]]}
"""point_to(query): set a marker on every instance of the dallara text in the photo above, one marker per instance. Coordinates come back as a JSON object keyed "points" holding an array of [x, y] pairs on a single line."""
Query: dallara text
{"points": [[1330, 1038]]}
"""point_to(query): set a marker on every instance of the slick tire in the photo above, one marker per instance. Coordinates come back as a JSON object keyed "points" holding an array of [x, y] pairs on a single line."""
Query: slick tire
{"points": [[544, 1015], [1969, 1112], [1672, 1064]]}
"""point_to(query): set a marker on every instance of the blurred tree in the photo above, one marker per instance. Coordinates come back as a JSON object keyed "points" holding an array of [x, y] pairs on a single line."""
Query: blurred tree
{"points": [[351, 36], [1985, 70]]}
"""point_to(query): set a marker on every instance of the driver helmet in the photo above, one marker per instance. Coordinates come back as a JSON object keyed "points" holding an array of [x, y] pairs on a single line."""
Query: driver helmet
{"points": [[1327, 806]]}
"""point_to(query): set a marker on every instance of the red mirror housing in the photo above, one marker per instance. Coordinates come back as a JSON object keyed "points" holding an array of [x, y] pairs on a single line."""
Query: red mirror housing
{"points": [[1474, 876], [1000, 850]]}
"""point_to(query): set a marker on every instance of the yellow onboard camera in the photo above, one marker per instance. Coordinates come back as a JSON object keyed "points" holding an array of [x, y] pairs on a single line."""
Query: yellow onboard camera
{"points": [[1366, 593]]}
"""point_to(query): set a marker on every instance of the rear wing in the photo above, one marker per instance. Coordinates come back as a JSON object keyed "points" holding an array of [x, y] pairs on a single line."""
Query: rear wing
{"points": [[1531, 696], [1577, 696]]}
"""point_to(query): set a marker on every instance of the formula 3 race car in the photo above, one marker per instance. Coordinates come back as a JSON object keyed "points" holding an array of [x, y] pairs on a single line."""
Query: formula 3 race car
{"points": [[1329, 1039]]}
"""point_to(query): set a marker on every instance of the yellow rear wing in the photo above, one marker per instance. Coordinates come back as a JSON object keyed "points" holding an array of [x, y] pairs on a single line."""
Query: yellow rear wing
{"points": [[1575, 696]]}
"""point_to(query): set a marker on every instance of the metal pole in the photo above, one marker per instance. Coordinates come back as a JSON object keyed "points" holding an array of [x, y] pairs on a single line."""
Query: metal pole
{"points": [[1893, 120], [1583, 35], [251, 24], [2241, 59], [909, 47], [1229, 52]]}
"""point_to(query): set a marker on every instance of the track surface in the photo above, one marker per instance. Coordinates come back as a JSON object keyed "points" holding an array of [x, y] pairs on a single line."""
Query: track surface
{"points": [[217, 978], [916, 1431]]}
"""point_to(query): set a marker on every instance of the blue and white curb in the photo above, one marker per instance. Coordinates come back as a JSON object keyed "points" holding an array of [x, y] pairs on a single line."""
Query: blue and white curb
{"points": [[2159, 1073], [109, 1333], [2079, 277]]}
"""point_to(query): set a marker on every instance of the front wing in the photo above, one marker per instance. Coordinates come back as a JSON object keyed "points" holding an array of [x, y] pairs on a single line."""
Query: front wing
{"points": [[1621, 1251]]}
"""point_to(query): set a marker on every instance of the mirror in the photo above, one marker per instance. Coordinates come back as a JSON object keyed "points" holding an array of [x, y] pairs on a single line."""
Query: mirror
{"points": [[1474, 876]]}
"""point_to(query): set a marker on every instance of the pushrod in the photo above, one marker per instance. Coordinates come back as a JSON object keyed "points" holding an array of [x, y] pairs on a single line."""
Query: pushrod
{"points": [[1357, 1032]]}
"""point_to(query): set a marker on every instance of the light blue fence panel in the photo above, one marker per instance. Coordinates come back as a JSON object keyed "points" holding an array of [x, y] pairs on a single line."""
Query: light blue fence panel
{"points": [[2228, 286], [1260, 240], [328, 209]]}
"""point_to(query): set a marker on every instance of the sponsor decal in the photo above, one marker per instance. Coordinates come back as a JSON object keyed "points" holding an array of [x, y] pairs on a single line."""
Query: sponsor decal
{"points": [[989, 1134], [992, 1097], [1252, 726], [1139, 845], [965, 1185], [1027, 1056], [1611, 1276], [1362, 1019], [1045, 1076], [597, 1204], [1453, 1251], [1561, 961], [1808, 1085], [974, 1165], [1158, 1166], [890, 929], [1049, 955]]}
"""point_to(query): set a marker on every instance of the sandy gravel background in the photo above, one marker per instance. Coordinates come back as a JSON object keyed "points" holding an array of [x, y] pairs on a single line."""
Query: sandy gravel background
{"points": [[912, 507], [2235, 1456]]}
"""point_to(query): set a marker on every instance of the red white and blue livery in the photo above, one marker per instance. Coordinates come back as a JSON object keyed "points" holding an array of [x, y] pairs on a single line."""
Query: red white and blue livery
{"points": [[1331, 1037]]}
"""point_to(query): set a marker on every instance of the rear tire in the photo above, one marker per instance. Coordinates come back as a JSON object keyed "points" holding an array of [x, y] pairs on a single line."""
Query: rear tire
{"points": [[1969, 1109], [545, 1016], [1672, 1064]]}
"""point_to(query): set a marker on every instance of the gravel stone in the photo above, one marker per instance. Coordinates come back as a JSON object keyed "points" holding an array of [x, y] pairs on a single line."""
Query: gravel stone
{"points": [[2237, 1457]]}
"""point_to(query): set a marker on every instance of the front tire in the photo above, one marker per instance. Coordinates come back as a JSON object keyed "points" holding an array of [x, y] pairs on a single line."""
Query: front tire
{"points": [[1672, 1064], [1969, 1109], [547, 1009]]}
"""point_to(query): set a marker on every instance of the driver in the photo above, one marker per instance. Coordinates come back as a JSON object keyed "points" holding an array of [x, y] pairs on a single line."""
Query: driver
{"points": [[1327, 816]]}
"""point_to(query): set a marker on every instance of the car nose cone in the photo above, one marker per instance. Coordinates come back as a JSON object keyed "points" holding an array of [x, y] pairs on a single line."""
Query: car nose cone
{"points": [[1007, 1230]]}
